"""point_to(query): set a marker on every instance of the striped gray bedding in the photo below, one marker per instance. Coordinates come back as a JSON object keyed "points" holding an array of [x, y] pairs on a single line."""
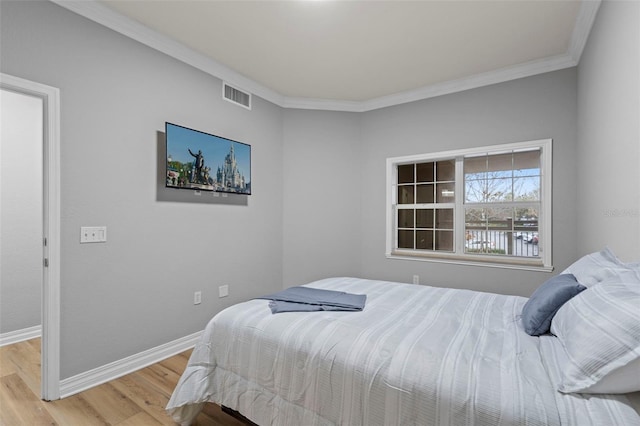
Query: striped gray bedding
{"points": [[416, 355]]}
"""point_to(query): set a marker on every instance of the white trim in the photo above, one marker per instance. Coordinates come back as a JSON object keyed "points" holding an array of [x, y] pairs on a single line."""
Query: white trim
{"points": [[95, 11], [471, 263], [11, 337], [50, 376], [546, 168], [469, 151], [113, 370], [448, 87], [584, 22], [323, 104]]}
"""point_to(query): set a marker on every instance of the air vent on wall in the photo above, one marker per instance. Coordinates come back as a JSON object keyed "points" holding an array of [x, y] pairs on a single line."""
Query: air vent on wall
{"points": [[236, 96]]}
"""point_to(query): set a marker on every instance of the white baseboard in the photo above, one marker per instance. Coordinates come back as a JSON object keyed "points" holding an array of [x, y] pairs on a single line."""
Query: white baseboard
{"points": [[111, 371], [16, 336]]}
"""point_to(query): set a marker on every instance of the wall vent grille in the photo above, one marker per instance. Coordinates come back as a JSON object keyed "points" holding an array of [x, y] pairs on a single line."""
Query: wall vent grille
{"points": [[237, 96]]}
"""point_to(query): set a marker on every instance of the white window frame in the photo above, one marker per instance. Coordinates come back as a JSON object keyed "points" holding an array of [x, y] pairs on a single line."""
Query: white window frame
{"points": [[541, 263]]}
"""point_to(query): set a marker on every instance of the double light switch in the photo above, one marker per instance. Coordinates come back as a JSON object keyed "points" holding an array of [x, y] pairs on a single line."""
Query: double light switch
{"points": [[93, 234]]}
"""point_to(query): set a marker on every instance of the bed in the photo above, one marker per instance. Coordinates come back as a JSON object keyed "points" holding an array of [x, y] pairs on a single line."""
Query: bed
{"points": [[416, 355]]}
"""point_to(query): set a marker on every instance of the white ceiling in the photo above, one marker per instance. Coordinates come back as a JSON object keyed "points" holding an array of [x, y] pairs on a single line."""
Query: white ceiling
{"points": [[361, 54]]}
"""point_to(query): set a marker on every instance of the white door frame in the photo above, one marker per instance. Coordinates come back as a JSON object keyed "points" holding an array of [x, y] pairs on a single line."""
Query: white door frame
{"points": [[50, 377]]}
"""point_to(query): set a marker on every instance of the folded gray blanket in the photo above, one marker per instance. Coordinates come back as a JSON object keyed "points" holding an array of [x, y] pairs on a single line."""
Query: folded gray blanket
{"points": [[308, 299]]}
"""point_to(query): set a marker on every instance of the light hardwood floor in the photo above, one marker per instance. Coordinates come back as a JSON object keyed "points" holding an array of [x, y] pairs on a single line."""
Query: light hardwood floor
{"points": [[137, 399]]}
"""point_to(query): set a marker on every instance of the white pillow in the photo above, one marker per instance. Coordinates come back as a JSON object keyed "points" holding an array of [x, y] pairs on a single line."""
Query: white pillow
{"points": [[597, 267], [622, 380], [600, 331]]}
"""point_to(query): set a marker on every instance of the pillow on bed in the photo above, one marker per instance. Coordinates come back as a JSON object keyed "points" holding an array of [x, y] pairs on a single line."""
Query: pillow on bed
{"points": [[545, 302], [622, 380], [596, 267], [600, 330]]}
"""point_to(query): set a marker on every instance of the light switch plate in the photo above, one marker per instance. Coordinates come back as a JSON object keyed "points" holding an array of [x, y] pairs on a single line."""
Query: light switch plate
{"points": [[93, 234]]}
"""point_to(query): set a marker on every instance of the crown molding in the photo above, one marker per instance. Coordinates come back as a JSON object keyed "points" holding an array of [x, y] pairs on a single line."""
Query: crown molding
{"points": [[582, 28], [93, 10], [323, 104], [502, 75]]}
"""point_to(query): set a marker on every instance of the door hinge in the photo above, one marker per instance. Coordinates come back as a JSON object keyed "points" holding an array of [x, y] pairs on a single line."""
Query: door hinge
{"points": [[45, 242], [46, 262]]}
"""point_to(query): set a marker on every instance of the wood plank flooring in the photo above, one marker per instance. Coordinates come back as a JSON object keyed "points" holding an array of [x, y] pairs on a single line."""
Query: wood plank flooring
{"points": [[137, 399]]}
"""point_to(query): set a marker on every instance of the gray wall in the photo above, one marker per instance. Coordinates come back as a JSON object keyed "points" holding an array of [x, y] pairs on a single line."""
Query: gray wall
{"points": [[21, 215], [538, 107], [334, 212], [609, 133], [322, 187], [135, 292]]}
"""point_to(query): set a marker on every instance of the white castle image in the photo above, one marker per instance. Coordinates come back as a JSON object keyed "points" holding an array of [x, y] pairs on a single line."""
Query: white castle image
{"points": [[228, 175]]}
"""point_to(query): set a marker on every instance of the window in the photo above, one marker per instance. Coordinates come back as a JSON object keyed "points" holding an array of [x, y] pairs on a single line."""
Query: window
{"points": [[489, 205], [425, 205]]}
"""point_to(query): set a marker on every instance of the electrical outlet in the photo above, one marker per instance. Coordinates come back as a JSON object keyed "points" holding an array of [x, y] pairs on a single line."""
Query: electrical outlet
{"points": [[223, 291], [197, 298], [416, 279]]}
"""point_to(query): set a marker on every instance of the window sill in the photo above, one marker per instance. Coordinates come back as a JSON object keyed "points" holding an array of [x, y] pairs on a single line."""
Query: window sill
{"points": [[473, 260]]}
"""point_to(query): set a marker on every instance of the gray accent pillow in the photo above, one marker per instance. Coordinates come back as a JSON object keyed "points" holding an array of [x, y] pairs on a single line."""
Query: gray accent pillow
{"points": [[543, 304]]}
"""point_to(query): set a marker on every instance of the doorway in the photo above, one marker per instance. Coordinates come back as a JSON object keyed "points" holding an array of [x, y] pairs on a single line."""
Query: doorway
{"points": [[43, 164], [21, 216]]}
